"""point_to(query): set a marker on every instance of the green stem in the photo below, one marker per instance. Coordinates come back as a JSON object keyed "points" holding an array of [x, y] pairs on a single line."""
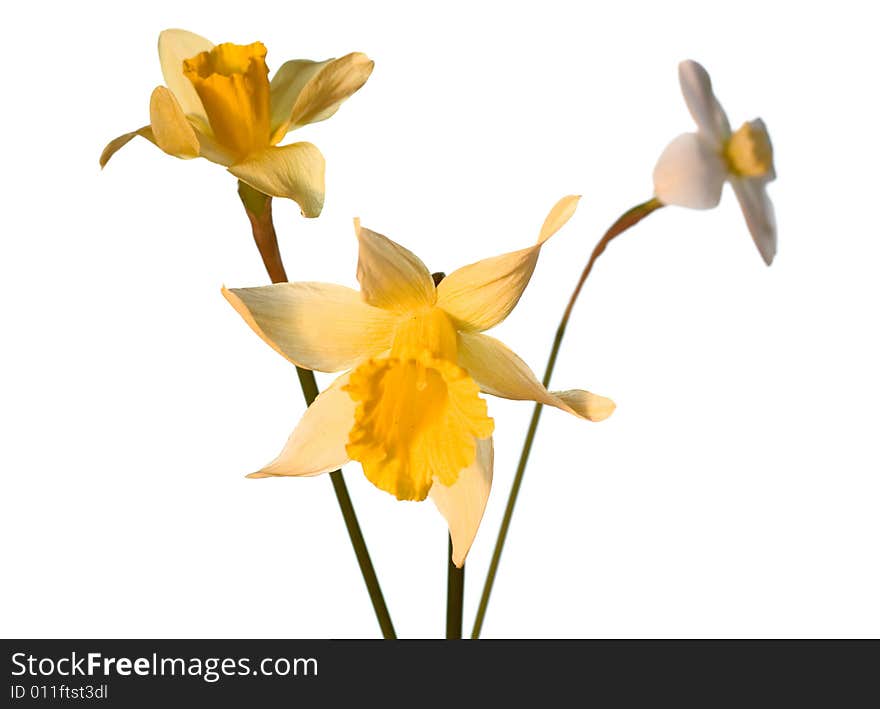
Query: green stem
{"points": [[454, 597], [259, 210], [454, 575], [625, 221]]}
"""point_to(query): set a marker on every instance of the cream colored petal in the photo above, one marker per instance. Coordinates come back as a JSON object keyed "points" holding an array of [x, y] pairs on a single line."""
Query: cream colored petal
{"points": [[294, 171], [482, 294], [463, 503], [558, 216], [174, 47], [326, 89], [500, 372], [317, 326], [171, 129], [689, 173], [208, 147], [211, 150], [317, 444], [391, 276], [118, 143], [285, 87], [696, 86], [759, 213]]}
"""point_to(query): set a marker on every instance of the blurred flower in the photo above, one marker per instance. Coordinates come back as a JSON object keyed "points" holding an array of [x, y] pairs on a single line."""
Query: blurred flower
{"points": [[219, 104], [693, 168], [409, 409]]}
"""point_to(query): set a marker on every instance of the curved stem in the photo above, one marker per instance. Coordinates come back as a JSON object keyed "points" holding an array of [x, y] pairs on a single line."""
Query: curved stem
{"points": [[454, 598], [625, 221], [259, 210], [258, 207]]}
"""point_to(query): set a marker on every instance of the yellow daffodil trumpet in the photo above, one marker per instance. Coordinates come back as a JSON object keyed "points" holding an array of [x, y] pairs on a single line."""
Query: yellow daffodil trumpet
{"points": [[218, 103], [415, 361]]}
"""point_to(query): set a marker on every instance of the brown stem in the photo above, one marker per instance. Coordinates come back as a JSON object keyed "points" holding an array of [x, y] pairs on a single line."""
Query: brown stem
{"points": [[626, 220], [258, 207]]}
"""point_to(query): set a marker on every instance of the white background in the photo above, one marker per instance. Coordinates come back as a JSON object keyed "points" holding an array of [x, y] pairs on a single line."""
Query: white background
{"points": [[734, 492]]}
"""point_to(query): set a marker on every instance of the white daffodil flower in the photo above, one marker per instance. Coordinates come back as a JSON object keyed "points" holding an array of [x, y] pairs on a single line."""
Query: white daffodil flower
{"points": [[408, 406], [693, 168]]}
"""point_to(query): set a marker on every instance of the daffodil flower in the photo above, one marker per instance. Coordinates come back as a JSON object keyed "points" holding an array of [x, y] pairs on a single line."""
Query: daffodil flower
{"points": [[408, 408], [219, 104], [693, 168]]}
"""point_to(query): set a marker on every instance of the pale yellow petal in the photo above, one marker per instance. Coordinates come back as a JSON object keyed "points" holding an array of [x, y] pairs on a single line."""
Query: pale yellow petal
{"points": [[500, 372], [391, 276], [558, 216], [118, 143], [175, 46], [327, 88], [293, 171], [208, 147], [171, 129], [696, 87], [317, 444], [482, 294], [317, 326], [758, 212], [463, 503], [285, 87], [689, 173], [584, 404], [211, 150]]}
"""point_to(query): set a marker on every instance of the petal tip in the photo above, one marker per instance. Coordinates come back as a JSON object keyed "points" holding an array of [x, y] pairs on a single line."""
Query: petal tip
{"points": [[171, 32], [768, 253], [604, 407], [229, 294], [121, 141], [313, 210], [363, 59], [170, 35], [558, 216], [360, 61], [259, 475], [691, 65]]}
